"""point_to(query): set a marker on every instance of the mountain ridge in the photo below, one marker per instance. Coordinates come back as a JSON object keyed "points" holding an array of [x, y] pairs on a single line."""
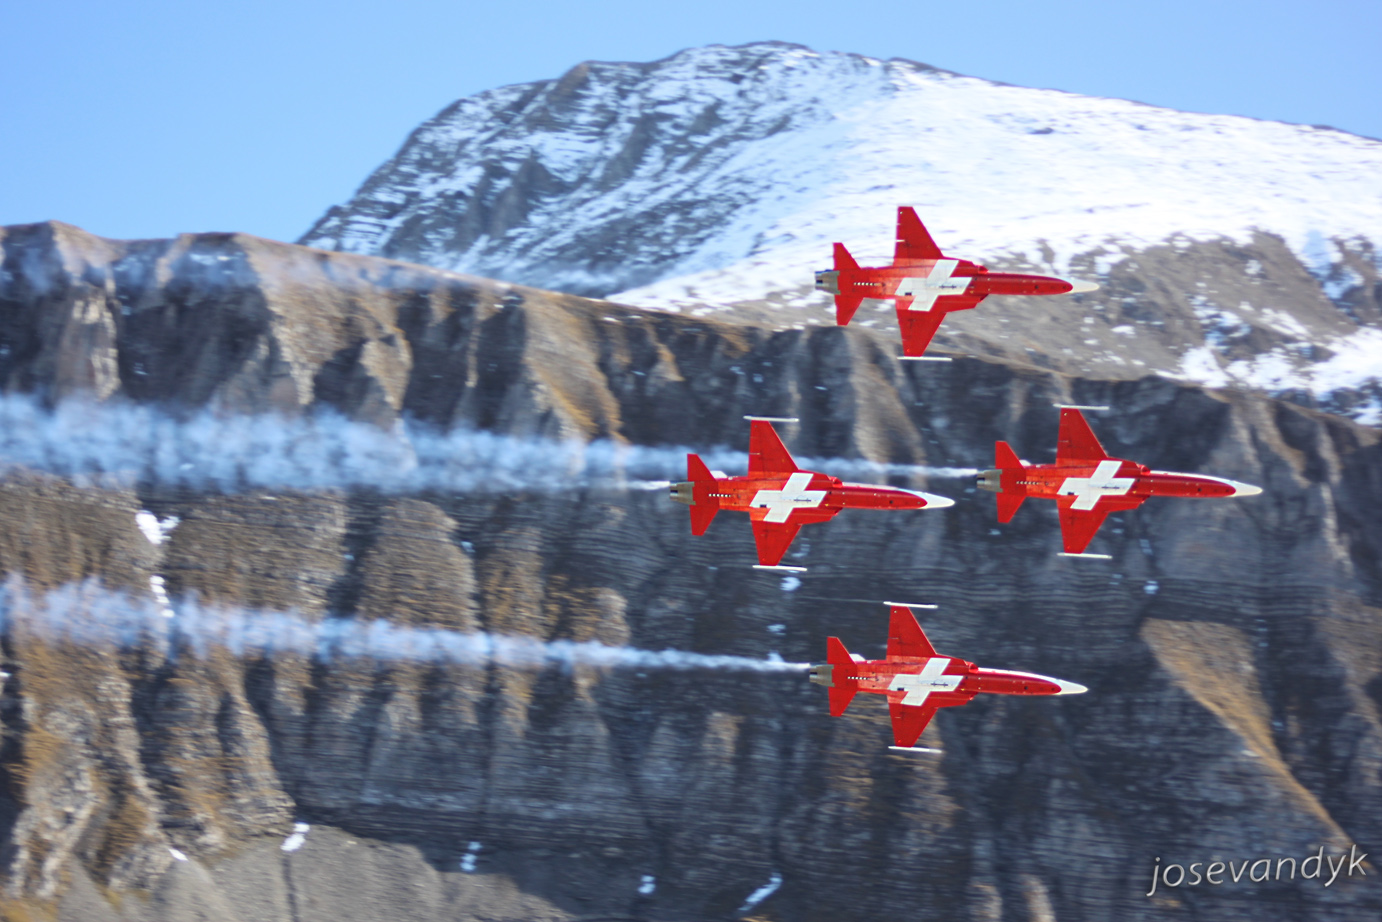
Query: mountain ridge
{"points": [[713, 182]]}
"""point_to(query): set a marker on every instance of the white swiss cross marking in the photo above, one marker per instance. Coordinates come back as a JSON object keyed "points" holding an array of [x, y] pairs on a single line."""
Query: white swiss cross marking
{"points": [[1088, 490], [927, 290], [918, 687], [793, 495]]}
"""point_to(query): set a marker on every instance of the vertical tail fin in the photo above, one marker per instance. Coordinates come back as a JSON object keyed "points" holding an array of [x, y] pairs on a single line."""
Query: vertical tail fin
{"points": [[1011, 491], [704, 503], [843, 684], [845, 304]]}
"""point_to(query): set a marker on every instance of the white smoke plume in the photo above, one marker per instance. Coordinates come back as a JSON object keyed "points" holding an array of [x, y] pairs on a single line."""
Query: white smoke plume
{"points": [[91, 615], [127, 443]]}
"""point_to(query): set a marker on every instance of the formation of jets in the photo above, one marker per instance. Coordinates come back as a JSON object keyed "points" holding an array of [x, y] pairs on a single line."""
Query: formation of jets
{"points": [[780, 497]]}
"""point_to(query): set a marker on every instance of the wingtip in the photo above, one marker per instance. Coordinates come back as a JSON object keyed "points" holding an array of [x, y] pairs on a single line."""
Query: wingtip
{"points": [[1079, 286]]}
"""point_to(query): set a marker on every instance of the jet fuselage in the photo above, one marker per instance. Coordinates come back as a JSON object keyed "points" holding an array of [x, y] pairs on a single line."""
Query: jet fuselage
{"points": [[799, 496], [925, 284], [1110, 478], [965, 278], [780, 497], [918, 681], [1087, 484]]}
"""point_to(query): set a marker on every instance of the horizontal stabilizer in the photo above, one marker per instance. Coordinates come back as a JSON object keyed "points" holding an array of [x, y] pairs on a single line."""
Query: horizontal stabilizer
{"points": [[844, 686], [704, 503], [843, 260], [845, 306], [1011, 491]]}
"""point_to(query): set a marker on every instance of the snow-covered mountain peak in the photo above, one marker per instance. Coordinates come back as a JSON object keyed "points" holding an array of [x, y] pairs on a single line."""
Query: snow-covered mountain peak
{"points": [[716, 179], [617, 175]]}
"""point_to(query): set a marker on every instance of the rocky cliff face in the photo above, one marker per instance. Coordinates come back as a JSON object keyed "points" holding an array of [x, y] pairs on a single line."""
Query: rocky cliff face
{"points": [[1231, 649]]}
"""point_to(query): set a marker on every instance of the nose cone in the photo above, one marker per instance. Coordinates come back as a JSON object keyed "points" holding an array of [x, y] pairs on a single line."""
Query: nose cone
{"points": [[1077, 286], [1244, 489], [1069, 688], [932, 500]]}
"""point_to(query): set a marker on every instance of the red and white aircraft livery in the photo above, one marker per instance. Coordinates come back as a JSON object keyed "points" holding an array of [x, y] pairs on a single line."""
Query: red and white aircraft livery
{"points": [[1087, 484], [781, 497], [917, 680], [926, 284]]}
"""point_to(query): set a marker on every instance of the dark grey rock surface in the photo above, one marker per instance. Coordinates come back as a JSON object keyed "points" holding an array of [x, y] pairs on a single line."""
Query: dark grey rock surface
{"points": [[1232, 649]]}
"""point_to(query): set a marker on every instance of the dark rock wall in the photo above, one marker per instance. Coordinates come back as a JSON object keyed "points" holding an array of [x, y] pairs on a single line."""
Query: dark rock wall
{"points": [[1232, 649]]}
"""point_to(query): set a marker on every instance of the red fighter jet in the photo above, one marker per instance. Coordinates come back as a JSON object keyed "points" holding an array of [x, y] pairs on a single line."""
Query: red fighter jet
{"points": [[1087, 484], [781, 497], [926, 284], [917, 680]]}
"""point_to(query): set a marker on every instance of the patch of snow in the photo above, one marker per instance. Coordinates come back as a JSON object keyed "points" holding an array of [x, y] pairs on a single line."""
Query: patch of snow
{"points": [[1151, 587], [1281, 321], [1202, 365], [177, 855], [299, 836], [762, 893], [155, 529], [790, 584], [777, 629], [468, 859], [647, 885]]}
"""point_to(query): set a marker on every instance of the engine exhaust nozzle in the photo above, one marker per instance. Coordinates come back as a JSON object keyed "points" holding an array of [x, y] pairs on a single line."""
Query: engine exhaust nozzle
{"points": [[990, 480]]}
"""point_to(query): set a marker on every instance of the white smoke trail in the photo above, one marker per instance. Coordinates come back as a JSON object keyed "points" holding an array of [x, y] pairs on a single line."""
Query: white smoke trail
{"points": [[91, 615], [126, 443]]}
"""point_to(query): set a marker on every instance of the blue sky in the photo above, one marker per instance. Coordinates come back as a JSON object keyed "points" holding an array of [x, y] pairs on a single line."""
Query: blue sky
{"points": [[150, 118]]}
